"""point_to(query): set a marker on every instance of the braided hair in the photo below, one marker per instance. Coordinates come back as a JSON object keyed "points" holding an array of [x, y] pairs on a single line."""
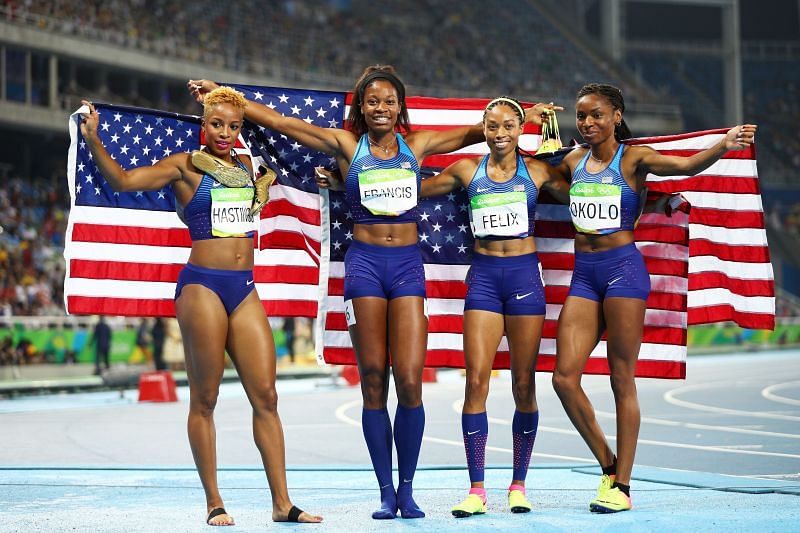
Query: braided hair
{"points": [[614, 97]]}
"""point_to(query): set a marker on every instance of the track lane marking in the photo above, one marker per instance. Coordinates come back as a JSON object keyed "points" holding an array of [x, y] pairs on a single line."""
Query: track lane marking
{"points": [[769, 393]]}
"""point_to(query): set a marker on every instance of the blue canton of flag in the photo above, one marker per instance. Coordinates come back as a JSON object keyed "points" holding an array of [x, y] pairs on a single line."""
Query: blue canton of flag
{"points": [[293, 162], [444, 232], [443, 235], [133, 137]]}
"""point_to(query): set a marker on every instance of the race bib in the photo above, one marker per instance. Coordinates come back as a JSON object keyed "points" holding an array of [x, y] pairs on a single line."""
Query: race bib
{"points": [[499, 215], [595, 207], [349, 313], [389, 191], [230, 212]]}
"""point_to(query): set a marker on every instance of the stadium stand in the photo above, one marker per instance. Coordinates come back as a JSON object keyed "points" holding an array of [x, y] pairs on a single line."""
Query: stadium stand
{"points": [[527, 58]]}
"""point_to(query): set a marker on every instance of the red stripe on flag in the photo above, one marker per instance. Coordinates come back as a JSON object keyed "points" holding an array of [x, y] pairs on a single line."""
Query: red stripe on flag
{"points": [[176, 237], [723, 218], [724, 313], [708, 183], [124, 271], [740, 154], [544, 363], [294, 274], [282, 206], [92, 305], [290, 307], [742, 287], [644, 368], [729, 252], [290, 240]]}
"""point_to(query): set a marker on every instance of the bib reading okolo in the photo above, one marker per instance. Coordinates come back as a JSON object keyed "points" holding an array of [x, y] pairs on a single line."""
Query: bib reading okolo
{"points": [[230, 212], [501, 214], [595, 206], [387, 191]]}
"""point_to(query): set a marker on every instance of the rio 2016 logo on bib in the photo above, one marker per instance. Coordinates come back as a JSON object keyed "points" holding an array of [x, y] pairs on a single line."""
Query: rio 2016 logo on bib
{"points": [[388, 191], [595, 207], [230, 212], [502, 214]]}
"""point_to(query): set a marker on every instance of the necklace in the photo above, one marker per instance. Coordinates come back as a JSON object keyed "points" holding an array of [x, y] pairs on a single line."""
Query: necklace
{"points": [[595, 158], [507, 174], [384, 148]]}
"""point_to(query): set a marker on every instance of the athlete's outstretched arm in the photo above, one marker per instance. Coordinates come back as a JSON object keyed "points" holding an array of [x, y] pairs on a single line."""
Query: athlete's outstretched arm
{"points": [[459, 174], [329, 140], [429, 142], [737, 138], [138, 179]]}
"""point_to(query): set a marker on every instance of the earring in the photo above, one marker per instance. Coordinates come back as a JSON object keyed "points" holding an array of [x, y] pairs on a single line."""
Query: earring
{"points": [[619, 124]]}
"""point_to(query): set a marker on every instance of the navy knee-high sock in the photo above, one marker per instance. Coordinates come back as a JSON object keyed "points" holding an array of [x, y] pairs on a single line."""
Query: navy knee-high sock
{"points": [[523, 427], [409, 424], [378, 435], [475, 428]]}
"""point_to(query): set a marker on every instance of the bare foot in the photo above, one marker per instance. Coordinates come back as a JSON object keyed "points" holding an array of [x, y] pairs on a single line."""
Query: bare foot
{"points": [[294, 514], [218, 517]]}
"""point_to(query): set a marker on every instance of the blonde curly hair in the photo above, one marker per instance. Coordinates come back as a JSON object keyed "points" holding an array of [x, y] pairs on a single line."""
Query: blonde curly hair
{"points": [[223, 95]]}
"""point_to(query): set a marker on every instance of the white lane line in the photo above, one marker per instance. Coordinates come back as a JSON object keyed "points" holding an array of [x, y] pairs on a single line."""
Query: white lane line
{"points": [[787, 477], [670, 397], [341, 414], [741, 446], [769, 393], [692, 425], [712, 448]]}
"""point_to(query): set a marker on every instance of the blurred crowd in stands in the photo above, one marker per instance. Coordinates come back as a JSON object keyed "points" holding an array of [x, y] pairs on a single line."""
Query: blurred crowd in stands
{"points": [[780, 110], [33, 219], [329, 42]]}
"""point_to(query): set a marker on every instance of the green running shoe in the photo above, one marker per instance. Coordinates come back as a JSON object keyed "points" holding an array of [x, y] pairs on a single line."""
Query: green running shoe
{"points": [[518, 502], [472, 505], [611, 500]]}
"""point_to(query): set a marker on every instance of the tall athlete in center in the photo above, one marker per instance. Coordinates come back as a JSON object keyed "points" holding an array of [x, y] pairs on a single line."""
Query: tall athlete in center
{"points": [[384, 287]]}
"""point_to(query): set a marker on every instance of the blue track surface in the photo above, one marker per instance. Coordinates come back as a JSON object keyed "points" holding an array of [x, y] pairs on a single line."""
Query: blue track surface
{"points": [[168, 499], [102, 461]]}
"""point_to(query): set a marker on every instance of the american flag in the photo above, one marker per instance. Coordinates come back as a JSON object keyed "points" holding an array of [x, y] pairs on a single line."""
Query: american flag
{"points": [[703, 269]]}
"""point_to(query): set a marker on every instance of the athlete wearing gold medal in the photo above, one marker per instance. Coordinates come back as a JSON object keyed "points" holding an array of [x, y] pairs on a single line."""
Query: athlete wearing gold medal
{"points": [[216, 303]]}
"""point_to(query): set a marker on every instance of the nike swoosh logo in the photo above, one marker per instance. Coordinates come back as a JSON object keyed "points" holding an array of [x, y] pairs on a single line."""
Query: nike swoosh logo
{"points": [[613, 281], [521, 296], [387, 485], [483, 190], [528, 432], [250, 282], [472, 432], [407, 480], [367, 167]]}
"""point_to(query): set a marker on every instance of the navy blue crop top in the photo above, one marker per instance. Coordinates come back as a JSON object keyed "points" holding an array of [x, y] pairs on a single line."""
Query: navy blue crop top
{"points": [[383, 191], [504, 210], [603, 203], [216, 211]]}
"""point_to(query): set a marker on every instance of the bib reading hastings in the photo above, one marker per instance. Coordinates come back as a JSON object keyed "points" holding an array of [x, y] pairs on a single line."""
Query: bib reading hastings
{"points": [[230, 212]]}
